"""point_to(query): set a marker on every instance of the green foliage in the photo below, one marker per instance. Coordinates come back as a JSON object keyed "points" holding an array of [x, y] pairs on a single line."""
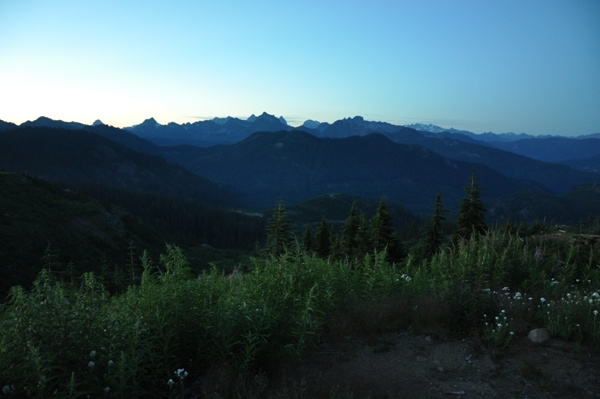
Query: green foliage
{"points": [[307, 240], [472, 209], [79, 341], [322, 244], [350, 240], [279, 234], [45, 226], [383, 236], [432, 234]]}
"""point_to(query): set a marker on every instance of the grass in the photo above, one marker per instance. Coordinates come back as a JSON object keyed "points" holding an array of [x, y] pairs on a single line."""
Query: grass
{"points": [[224, 334]]}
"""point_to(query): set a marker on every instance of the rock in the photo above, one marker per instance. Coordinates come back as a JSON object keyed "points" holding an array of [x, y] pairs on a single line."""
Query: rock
{"points": [[539, 335]]}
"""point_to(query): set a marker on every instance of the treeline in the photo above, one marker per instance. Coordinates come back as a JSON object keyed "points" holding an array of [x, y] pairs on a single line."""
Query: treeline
{"points": [[189, 222], [360, 237]]}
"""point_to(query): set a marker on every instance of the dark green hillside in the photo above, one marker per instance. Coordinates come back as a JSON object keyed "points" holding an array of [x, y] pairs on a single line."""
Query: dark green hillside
{"points": [[88, 233], [580, 204], [299, 166], [77, 155], [189, 222], [125, 138], [559, 178], [336, 207]]}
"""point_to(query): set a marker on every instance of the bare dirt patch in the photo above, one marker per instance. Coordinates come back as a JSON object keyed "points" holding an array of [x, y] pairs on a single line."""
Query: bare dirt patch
{"points": [[418, 366]]}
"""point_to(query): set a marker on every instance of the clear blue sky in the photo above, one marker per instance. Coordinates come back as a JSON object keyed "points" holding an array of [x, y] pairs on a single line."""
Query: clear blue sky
{"points": [[521, 66]]}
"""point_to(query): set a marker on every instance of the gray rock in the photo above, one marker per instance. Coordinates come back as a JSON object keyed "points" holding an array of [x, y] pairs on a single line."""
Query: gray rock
{"points": [[539, 335]]}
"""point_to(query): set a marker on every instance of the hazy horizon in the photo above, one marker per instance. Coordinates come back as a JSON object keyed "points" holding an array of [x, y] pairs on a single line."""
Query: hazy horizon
{"points": [[508, 66]]}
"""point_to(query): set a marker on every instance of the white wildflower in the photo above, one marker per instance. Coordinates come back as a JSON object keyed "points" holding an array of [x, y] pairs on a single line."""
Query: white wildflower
{"points": [[91, 364]]}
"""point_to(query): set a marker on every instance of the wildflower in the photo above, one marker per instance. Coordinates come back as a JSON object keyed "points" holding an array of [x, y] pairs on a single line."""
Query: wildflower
{"points": [[530, 298], [181, 373], [6, 390], [170, 382], [538, 255], [110, 362], [543, 300], [517, 296], [92, 353], [505, 289], [511, 333], [499, 325], [107, 389], [595, 313], [91, 364]]}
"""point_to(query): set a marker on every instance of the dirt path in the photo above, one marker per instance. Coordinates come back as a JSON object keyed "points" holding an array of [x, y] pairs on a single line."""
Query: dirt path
{"points": [[407, 366]]}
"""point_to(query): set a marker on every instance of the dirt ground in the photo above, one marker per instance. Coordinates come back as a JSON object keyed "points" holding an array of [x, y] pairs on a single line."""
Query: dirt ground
{"points": [[419, 366]]}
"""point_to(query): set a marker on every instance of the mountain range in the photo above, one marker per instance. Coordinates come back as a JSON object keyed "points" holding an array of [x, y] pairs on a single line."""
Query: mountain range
{"points": [[266, 158], [231, 130]]}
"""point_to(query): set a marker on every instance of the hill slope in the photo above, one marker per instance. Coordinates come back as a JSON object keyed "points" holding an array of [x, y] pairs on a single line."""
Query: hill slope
{"points": [[299, 166], [34, 213], [77, 155]]}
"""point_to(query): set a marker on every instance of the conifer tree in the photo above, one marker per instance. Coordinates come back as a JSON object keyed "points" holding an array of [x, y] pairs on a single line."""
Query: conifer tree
{"points": [[279, 235], [336, 250], [383, 234], [50, 258], [349, 240], [322, 244], [433, 235], [307, 240], [472, 209]]}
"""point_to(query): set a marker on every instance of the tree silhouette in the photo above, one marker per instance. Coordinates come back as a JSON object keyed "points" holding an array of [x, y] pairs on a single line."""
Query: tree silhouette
{"points": [[279, 236], [432, 234], [472, 209], [383, 234], [322, 244]]}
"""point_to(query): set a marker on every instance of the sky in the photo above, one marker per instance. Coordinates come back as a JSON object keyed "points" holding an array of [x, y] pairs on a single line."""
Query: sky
{"points": [[480, 65]]}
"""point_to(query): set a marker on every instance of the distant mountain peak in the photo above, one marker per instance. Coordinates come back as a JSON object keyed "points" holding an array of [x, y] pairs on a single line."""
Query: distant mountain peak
{"points": [[221, 121], [282, 120], [310, 124], [150, 121], [97, 122], [252, 118]]}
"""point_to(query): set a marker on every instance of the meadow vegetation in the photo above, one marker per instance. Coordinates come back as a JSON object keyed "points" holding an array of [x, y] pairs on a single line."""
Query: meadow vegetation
{"points": [[175, 330]]}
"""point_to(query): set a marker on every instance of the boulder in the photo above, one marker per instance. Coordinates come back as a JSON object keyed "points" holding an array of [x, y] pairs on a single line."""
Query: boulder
{"points": [[539, 335]]}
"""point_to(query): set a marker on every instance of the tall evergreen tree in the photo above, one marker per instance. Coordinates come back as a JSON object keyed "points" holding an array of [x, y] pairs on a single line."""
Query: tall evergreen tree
{"points": [[472, 209], [336, 250], [383, 234], [322, 244], [279, 234], [432, 234], [349, 240], [307, 240]]}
